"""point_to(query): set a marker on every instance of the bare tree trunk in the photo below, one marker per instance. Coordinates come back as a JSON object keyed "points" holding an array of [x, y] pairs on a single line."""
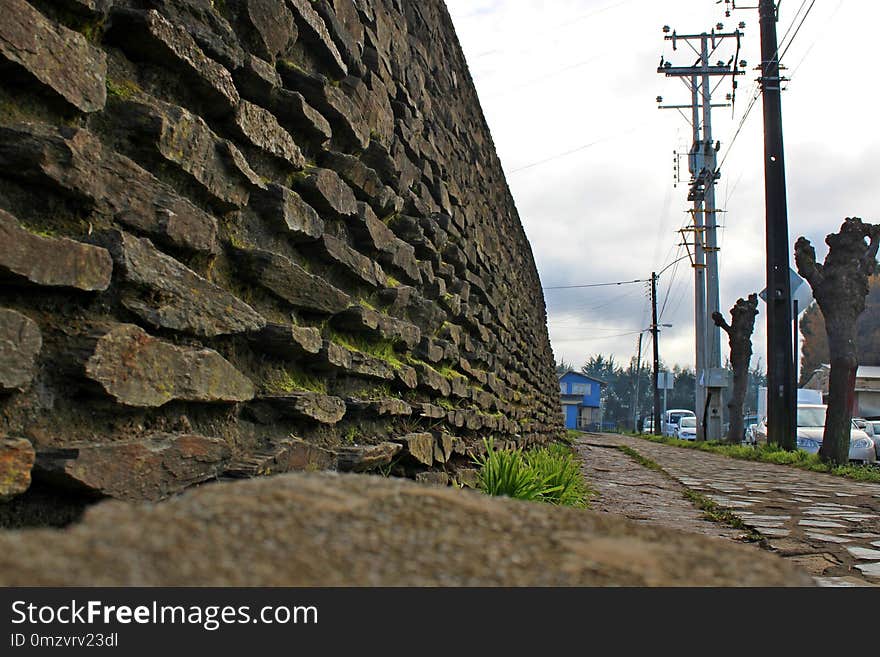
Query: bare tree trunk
{"points": [[739, 333], [840, 287]]}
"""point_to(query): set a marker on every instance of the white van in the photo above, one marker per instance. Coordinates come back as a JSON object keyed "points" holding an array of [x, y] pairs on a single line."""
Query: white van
{"points": [[672, 418]]}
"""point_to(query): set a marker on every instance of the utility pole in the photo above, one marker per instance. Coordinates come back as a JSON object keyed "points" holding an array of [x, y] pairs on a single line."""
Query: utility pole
{"points": [[781, 386], [703, 166], [655, 333], [638, 378]]}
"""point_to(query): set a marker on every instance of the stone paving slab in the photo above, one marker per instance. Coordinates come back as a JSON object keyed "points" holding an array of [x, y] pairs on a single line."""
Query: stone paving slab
{"points": [[827, 525]]}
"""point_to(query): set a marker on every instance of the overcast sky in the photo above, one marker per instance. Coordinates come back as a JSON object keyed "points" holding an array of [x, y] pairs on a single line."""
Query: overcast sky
{"points": [[557, 76]]}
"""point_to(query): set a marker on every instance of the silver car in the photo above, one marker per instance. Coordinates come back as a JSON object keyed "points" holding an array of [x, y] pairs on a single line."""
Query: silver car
{"points": [[872, 428], [811, 429]]}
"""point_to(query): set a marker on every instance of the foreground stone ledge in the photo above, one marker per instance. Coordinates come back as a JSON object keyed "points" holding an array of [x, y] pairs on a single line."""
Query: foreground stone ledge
{"points": [[151, 469], [140, 370], [16, 460], [324, 529], [52, 261], [59, 58]]}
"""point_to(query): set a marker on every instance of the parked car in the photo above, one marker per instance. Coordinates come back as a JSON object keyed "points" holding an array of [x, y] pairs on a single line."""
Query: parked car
{"points": [[749, 422], [872, 428], [671, 418], [648, 425], [811, 428], [687, 428]]}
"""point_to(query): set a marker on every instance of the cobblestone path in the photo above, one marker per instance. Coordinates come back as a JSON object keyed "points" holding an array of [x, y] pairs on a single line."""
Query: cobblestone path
{"points": [[830, 526]]}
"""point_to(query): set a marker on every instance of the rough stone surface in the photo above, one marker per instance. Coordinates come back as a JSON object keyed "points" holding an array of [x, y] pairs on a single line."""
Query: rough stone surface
{"points": [[152, 468], [306, 405], [184, 139], [297, 196], [323, 530], [57, 57], [420, 446], [16, 460], [287, 213], [357, 458], [290, 282], [139, 370], [20, 344], [288, 455], [177, 298], [56, 262], [77, 162]]}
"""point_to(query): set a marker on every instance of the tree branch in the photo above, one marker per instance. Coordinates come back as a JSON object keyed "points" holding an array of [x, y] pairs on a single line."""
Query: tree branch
{"points": [[805, 258], [720, 322]]}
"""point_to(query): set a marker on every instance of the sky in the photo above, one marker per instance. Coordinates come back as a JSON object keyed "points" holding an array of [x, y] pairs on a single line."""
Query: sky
{"points": [[569, 91]]}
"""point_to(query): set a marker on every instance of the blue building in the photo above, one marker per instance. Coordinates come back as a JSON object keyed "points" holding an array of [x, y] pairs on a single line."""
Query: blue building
{"points": [[581, 400]]}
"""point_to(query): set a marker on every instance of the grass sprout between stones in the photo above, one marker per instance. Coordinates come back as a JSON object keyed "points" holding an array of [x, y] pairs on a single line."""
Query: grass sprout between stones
{"points": [[549, 474]]}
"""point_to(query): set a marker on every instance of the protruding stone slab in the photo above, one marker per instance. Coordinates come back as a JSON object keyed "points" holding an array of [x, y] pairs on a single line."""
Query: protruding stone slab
{"points": [[363, 458], [75, 161], [287, 213], [177, 298], [59, 58], [313, 28], [355, 263], [139, 370], [288, 341], [379, 407], [20, 344], [420, 446], [268, 26], [184, 139], [288, 455], [325, 191], [52, 261], [150, 469], [261, 128], [439, 479], [149, 35], [16, 461], [290, 282], [306, 406]]}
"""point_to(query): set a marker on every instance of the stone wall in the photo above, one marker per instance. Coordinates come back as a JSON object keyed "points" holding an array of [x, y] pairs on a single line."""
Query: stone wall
{"points": [[242, 237]]}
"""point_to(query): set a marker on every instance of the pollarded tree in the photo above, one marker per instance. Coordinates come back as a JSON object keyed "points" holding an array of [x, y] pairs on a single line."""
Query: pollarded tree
{"points": [[840, 287], [739, 333]]}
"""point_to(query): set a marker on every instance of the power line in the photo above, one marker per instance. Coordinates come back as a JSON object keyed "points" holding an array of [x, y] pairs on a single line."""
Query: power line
{"points": [[575, 150], [579, 287]]}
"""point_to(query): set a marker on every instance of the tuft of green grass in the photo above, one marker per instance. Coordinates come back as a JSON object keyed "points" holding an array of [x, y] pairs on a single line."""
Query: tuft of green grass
{"points": [[775, 454], [122, 89], [381, 349], [287, 380], [551, 475]]}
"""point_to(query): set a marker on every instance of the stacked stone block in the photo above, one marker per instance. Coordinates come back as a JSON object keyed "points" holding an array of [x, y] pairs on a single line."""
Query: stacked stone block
{"points": [[242, 237]]}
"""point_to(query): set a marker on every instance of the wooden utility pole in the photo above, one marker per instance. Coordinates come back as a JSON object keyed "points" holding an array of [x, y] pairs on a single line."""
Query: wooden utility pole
{"points": [[781, 387], [655, 333]]}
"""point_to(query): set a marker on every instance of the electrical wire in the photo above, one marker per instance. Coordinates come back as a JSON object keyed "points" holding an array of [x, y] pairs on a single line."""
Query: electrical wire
{"points": [[589, 285]]}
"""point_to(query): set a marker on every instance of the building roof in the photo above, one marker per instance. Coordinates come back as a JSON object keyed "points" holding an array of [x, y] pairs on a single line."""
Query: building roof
{"points": [[868, 372], [583, 376]]}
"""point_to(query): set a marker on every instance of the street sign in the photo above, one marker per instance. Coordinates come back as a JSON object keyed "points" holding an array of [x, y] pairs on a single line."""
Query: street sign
{"points": [[665, 381], [801, 293]]}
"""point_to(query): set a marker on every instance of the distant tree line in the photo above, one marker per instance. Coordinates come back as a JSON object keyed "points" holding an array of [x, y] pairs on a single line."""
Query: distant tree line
{"points": [[618, 395]]}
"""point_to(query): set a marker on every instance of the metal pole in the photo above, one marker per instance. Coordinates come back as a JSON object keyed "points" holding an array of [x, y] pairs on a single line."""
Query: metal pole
{"points": [[713, 350], [655, 331], [638, 378], [781, 398], [699, 268]]}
